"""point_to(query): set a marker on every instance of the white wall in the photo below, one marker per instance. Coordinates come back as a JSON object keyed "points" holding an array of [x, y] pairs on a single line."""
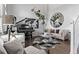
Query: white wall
{"points": [[70, 12], [24, 10]]}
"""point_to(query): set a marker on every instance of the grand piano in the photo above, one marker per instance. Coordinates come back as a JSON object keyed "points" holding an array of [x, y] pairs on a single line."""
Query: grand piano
{"points": [[26, 28]]}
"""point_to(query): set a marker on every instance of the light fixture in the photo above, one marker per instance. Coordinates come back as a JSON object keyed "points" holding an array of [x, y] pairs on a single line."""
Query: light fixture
{"points": [[8, 21]]}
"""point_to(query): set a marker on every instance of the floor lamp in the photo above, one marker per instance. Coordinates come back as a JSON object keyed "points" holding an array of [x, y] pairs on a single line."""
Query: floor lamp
{"points": [[8, 21]]}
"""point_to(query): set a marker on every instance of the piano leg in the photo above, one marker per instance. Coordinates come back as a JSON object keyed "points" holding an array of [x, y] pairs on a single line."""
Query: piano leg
{"points": [[28, 38]]}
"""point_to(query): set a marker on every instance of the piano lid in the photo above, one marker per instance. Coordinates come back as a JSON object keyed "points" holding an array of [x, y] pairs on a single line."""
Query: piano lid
{"points": [[26, 20]]}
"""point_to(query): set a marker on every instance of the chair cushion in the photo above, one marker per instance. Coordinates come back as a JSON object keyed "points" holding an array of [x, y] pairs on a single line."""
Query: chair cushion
{"points": [[14, 47]]}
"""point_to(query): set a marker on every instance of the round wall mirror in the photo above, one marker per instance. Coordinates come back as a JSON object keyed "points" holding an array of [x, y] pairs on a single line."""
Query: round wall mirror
{"points": [[57, 19]]}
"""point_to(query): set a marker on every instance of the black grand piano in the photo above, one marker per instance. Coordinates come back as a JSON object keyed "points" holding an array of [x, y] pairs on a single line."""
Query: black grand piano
{"points": [[26, 28]]}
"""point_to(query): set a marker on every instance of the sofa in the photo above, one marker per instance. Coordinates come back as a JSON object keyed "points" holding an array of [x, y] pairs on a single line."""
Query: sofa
{"points": [[14, 46], [61, 34]]}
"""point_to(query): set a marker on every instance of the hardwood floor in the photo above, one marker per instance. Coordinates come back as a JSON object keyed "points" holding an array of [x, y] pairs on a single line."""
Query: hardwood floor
{"points": [[62, 48]]}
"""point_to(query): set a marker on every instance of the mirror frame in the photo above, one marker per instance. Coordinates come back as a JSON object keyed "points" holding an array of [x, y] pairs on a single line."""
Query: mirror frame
{"points": [[57, 20]]}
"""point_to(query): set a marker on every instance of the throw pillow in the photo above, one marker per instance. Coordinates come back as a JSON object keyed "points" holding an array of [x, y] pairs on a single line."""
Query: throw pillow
{"points": [[14, 47], [57, 31]]}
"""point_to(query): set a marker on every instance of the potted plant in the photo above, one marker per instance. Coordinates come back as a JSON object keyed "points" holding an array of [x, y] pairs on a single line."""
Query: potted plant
{"points": [[40, 16]]}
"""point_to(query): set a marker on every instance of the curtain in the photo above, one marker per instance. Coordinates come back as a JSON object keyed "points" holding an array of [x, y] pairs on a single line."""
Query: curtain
{"points": [[1, 14]]}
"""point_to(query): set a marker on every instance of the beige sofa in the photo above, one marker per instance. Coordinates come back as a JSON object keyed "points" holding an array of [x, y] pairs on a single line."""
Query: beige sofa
{"points": [[63, 35]]}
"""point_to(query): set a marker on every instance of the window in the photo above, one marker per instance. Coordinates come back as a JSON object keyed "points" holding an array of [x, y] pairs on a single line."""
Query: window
{"points": [[1, 14]]}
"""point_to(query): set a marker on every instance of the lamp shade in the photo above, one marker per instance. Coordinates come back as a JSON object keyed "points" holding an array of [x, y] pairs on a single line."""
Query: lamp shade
{"points": [[8, 19]]}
